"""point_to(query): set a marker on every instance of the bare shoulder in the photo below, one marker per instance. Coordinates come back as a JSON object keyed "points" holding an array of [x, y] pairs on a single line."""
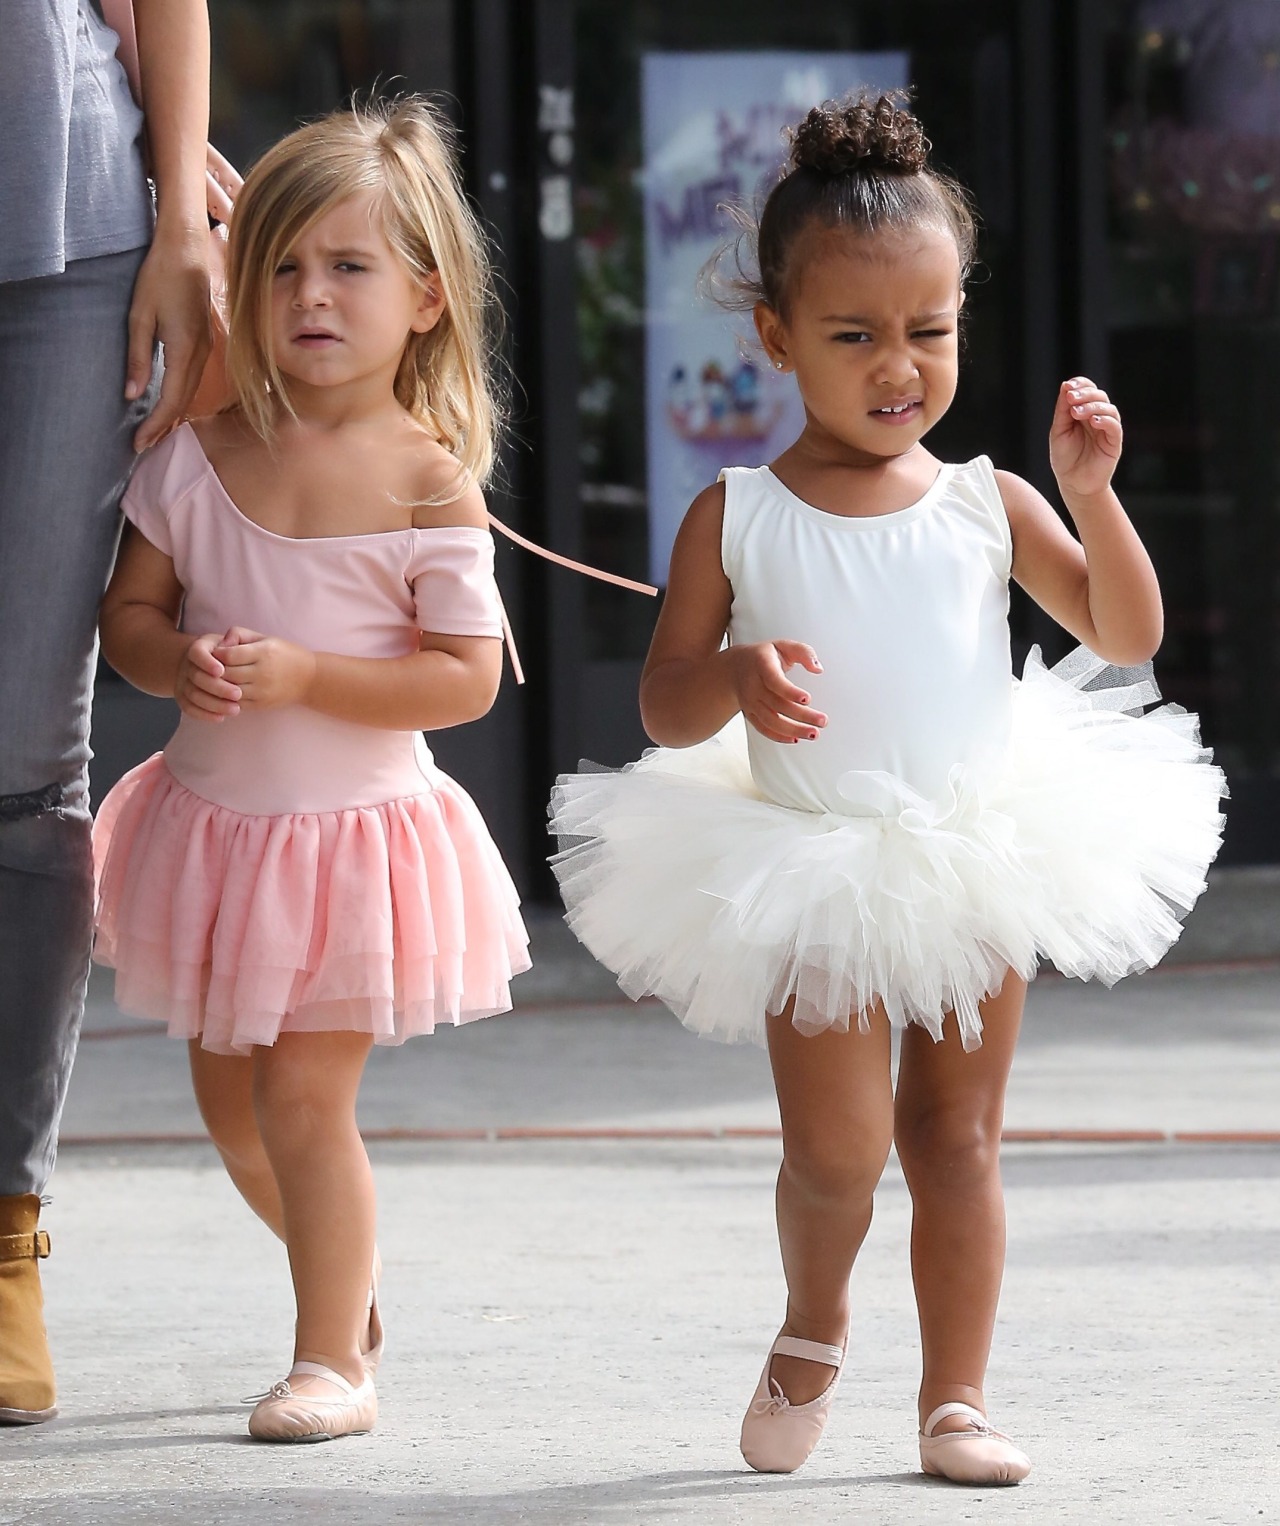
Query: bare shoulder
{"points": [[696, 566], [704, 521], [220, 431], [709, 504], [227, 440], [445, 496], [1020, 499], [695, 609], [1032, 518]]}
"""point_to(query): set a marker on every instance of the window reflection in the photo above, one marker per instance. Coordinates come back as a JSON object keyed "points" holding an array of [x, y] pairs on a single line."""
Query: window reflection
{"points": [[1194, 142], [279, 62]]}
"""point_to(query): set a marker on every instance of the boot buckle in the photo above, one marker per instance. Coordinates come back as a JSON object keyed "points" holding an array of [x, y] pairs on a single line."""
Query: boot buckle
{"points": [[31, 1247]]}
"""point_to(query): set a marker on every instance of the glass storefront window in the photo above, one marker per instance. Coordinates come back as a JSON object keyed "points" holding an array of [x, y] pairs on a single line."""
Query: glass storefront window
{"points": [[960, 61], [1192, 336], [278, 62]]}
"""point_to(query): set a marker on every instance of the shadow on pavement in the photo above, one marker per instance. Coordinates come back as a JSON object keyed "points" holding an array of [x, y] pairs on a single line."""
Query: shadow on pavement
{"points": [[648, 1498]]}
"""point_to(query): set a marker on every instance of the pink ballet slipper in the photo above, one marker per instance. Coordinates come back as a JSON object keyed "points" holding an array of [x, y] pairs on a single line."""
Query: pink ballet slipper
{"points": [[777, 1436], [283, 1414], [979, 1454]]}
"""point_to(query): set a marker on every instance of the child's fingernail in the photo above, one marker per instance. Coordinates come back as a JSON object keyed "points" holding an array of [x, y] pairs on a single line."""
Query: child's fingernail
{"points": [[131, 390]]}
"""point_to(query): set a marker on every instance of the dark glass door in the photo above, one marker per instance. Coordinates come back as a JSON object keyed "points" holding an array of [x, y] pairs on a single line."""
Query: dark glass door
{"points": [[1182, 314]]}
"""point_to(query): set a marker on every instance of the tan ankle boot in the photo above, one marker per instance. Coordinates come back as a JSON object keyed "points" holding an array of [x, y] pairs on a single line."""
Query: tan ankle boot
{"points": [[26, 1368]]}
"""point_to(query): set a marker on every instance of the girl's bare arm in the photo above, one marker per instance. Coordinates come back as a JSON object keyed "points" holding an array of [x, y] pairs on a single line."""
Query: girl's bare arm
{"points": [[1102, 588], [140, 639], [691, 687], [450, 680]]}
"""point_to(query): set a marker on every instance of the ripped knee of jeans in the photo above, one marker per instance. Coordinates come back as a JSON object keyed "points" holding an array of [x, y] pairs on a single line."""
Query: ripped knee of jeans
{"points": [[36, 802]]}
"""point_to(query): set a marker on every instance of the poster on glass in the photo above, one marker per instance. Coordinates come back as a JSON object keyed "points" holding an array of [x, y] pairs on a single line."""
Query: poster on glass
{"points": [[713, 136]]}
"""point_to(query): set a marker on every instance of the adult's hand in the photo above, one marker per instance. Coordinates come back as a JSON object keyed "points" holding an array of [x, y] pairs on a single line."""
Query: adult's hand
{"points": [[170, 304], [171, 299]]}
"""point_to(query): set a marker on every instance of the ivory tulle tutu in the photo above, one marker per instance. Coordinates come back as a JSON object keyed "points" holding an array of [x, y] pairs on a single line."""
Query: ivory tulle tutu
{"points": [[1084, 845], [384, 919]]}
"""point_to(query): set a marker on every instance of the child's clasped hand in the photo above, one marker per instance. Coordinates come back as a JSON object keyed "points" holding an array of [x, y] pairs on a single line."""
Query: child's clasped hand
{"points": [[242, 669]]}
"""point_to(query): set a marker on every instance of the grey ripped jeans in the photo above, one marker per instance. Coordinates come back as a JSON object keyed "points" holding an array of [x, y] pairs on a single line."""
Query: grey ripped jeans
{"points": [[65, 454]]}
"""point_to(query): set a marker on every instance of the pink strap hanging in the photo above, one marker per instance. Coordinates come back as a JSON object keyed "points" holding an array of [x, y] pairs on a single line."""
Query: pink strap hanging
{"points": [[560, 561]]}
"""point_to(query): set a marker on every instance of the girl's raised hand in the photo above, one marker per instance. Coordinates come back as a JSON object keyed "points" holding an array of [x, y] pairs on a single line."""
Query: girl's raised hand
{"points": [[1085, 438], [767, 697], [269, 671], [201, 690]]}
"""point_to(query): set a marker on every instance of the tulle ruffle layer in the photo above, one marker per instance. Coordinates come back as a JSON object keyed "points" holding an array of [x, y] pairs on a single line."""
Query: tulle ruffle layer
{"points": [[384, 919], [1085, 846]]}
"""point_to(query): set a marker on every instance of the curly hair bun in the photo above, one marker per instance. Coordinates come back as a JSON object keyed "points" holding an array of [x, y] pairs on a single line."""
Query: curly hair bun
{"points": [[863, 133]]}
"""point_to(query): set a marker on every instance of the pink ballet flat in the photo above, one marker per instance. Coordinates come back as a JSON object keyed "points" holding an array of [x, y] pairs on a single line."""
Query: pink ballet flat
{"points": [[980, 1454], [777, 1436], [283, 1415]]}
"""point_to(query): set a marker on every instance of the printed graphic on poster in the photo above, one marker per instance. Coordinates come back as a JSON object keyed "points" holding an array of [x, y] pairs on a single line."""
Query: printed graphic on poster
{"points": [[713, 134]]}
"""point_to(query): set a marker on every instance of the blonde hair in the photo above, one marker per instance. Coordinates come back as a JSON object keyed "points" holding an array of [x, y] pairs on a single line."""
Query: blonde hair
{"points": [[405, 151]]}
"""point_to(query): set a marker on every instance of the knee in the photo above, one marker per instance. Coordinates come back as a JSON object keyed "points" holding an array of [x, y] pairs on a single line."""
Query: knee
{"points": [[842, 1167], [296, 1111], [948, 1146], [233, 1128]]}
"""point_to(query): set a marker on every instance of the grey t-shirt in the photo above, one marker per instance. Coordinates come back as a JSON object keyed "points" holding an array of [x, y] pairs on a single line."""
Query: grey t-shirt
{"points": [[72, 181]]}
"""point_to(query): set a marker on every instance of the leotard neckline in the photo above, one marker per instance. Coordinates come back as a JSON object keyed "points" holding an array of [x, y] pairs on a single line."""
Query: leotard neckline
{"points": [[893, 518], [311, 540]]}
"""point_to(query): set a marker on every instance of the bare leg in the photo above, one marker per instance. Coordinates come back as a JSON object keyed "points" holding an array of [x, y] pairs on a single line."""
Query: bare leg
{"points": [[304, 1093], [836, 1102], [950, 1111], [224, 1093]]}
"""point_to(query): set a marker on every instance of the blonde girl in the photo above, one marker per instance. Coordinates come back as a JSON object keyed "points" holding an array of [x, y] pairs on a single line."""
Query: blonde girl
{"points": [[899, 831], [310, 575]]}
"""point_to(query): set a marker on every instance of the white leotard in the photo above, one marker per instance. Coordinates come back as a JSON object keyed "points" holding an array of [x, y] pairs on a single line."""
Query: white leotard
{"points": [[908, 613]]}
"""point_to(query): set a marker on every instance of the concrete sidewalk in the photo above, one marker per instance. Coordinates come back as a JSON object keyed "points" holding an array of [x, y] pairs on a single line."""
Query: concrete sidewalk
{"points": [[575, 1329], [576, 1323]]}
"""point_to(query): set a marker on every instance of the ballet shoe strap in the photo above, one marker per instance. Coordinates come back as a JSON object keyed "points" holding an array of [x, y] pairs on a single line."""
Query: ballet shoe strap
{"points": [[315, 1370], [809, 1351], [945, 1411]]}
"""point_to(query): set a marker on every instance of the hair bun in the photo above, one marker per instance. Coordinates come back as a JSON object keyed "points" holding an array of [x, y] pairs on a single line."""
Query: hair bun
{"points": [[865, 132]]}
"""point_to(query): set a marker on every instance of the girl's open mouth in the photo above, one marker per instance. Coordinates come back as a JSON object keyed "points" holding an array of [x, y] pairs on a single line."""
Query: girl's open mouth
{"points": [[899, 413]]}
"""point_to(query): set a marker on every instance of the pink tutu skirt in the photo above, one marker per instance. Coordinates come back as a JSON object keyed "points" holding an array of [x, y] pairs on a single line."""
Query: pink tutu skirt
{"points": [[383, 919]]}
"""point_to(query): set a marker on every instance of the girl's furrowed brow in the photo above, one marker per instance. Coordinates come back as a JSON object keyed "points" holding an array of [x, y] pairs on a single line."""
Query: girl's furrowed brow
{"points": [[858, 322], [349, 252]]}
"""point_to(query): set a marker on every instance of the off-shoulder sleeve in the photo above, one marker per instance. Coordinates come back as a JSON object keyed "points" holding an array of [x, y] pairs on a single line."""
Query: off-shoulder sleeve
{"points": [[454, 590], [162, 479]]}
